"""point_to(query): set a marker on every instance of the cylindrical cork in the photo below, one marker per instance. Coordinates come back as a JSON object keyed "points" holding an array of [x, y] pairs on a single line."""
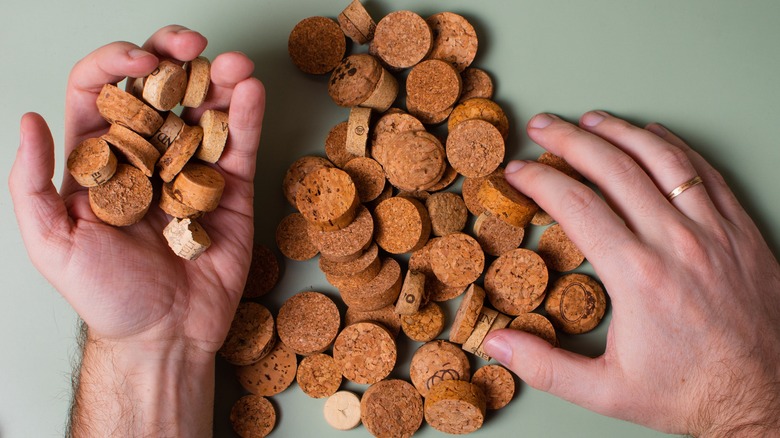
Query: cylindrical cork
{"points": [[401, 224], [495, 236], [316, 45], [348, 243], [356, 23], [501, 321], [168, 133], [252, 335], [515, 282], [414, 160], [368, 176], [354, 80], [92, 163], [215, 135], [308, 322], [559, 164], [457, 259], [292, 238], [318, 375], [173, 207], [264, 272], [198, 81], [298, 170], [385, 93], [478, 108], [392, 408], [342, 410], [412, 293], [180, 152], [497, 384], [386, 127], [437, 361], [467, 314], [535, 324], [475, 148], [448, 213], [455, 407], [199, 186], [427, 117], [402, 39], [253, 416], [558, 251], [357, 130], [186, 238], [435, 290], [136, 150], [485, 320], [365, 267], [455, 40], [426, 324], [124, 199], [576, 303], [470, 189], [476, 83], [122, 108], [327, 198], [381, 291], [272, 374], [434, 85], [336, 145], [498, 197], [386, 317], [165, 86], [365, 352]]}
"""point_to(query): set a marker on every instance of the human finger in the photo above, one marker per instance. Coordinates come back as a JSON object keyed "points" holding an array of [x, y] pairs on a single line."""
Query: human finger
{"points": [[176, 42]]}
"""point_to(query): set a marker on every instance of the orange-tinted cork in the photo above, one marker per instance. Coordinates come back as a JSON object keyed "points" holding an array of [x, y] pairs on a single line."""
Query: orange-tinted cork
{"points": [[92, 163], [263, 272], [558, 251], [173, 207], [318, 375], [134, 148], [316, 45], [356, 23], [368, 176], [124, 199], [475, 148], [365, 352], [368, 264], [336, 145], [448, 213], [199, 186], [327, 198], [455, 407], [386, 317], [122, 108], [476, 83], [386, 127], [298, 170], [292, 238], [437, 361], [412, 293], [348, 243], [198, 82], [455, 40], [355, 80], [496, 236], [381, 291], [497, 383], [392, 408], [478, 108], [435, 290], [467, 314], [433, 85], [576, 303], [272, 374], [180, 152], [308, 322], [457, 259], [186, 238], [414, 160], [498, 197], [425, 325], [402, 225], [252, 335], [165, 86], [402, 39], [215, 135], [253, 416], [470, 190], [515, 282], [535, 324]]}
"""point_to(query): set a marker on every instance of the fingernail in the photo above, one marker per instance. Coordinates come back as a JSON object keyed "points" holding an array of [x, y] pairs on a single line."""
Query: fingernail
{"points": [[657, 129], [540, 121], [137, 53], [593, 118], [514, 166], [498, 349]]}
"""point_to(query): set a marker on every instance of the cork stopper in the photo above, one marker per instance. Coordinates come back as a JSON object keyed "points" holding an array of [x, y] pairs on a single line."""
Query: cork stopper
{"points": [[368, 176], [385, 93], [168, 133], [356, 23], [497, 383], [215, 135], [198, 81], [402, 39], [122, 108], [365, 352], [173, 207], [457, 259], [535, 324], [427, 117], [292, 238], [502, 200], [515, 282], [327, 198], [186, 238], [272, 374], [253, 416], [357, 131], [448, 213], [433, 85], [368, 262], [470, 190], [425, 325], [485, 320], [435, 290], [476, 83], [318, 375], [342, 410], [176, 157], [483, 109], [495, 236], [455, 407], [414, 160], [354, 80], [348, 243], [558, 251], [92, 163], [455, 40], [559, 164], [386, 317], [435, 362], [165, 86], [576, 303], [467, 314], [381, 291], [387, 126], [475, 148], [402, 225], [412, 293], [199, 186], [392, 408], [336, 145], [264, 272], [501, 321], [298, 170], [252, 335], [308, 322], [316, 45], [134, 148], [124, 199]]}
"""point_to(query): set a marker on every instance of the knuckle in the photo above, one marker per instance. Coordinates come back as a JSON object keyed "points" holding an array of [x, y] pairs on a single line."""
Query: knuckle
{"points": [[577, 199], [541, 375], [673, 158], [620, 167]]}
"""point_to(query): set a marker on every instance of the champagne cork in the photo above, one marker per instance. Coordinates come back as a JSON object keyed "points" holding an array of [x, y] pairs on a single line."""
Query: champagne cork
{"points": [[199, 186], [251, 336], [298, 170], [367, 266], [292, 238], [425, 325], [391, 408], [386, 317], [316, 45], [368, 176], [495, 236], [412, 293], [455, 407], [558, 251], [92, 163], [180, 152], [470, 190], [433, 85], [121, 108], [484, 109], [535, 324], [387, 126], [365, 352], [448, 213], [455, 40], [348, 243], [515, 282], [171, 206], [501, 321], [467, 314], [402, 39], [502, 200], [308, 322], [135, 149], [576, 303], [168, 133], [318, 375], [253, 416], [198, 81], [272, 374], [381, 291], [361, 81], [475, 148], [263, 272], [215, 135], [435, 362], [327, 198], [186, 238], [497, 383], [357, 130], [124, 199], [165, 86], [457, 259], [476, 83], [342, 410], [485, 320], [402, 225], [414, 160], [435, 290], [356, 23], [336, 145]]}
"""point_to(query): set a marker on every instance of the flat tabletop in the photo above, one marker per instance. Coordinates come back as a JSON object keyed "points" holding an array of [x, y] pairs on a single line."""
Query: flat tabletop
{"points": [[706, 69]]}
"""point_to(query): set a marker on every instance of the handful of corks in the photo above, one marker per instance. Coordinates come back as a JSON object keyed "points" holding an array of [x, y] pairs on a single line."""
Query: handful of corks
{"points": [[382, 193], [148, 140]]}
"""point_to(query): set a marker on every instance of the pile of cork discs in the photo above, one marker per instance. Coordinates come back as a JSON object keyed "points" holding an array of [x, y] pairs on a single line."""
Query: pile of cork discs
{"points": [[147, 139], [384, 194]]}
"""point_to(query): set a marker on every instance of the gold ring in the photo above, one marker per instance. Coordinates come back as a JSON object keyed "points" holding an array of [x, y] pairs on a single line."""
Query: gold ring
{"points": [[696, 180]]}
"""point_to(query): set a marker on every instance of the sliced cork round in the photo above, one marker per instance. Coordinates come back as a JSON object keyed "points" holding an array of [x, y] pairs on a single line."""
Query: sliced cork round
{"points": [[420, 195], [381, 291], [316, 45], [253, 416], [215, 135], [559, 164], [387, 126], [478, 108], [308, 322], [327, 198], [515, 282], [497, 383], [426, 324], [449, 177], [427, 117], [270, 375], [173, 207], [435, 290], [434, 85], [358, 130], [342, 410], [199, 186], [368, 176], [576, 303], [457, 259], [385, 316], [475, 148], [298, 170], [121, 108], [392, 408], [448, 213], [535, 324], [385, 93], [414, 160], [198, 82], [92, 163], [485, 320], [496, 236], [368, 263], [124, 199], [455, 40], [467, 314], [437, 361], [178, 155], [292, 238], [336, 145], [252, 335], [356, 280], [348, 243], [402, 39], [558, 251], [501, 321], [264, 272], [355, 80], [412, 293], [165, 86], [470, 189], [134, 148], [476, 83], [356, 23], [318, 375], [502, 200], [186, 238], [168, 133], [455, 407], [401, 225], [365, 352]]}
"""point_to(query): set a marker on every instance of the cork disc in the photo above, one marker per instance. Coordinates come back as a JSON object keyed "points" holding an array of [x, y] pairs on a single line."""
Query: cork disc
{"points": [[292, 238], [134, 148], [467, 314], [124, 199], [347, 243], [354, 80], [483, 109], [455, 407], [251, 336], [308, 322], [476, 83], [198, 82], [297, 171], [457, 259], [470, 190], [515, 283], [425, 325], [434, 85], [427, 117], [436, 361], [368, 176], [365, 352], [414, 160], [263, 272], [199, 186], [402, 225], [327, 198], [368, 261], [356, 23], [559, 164], [496, 236], [449, 177], [420, 260], [168, 132], [270, 375], [558, 251], [253, 416], [448, 213], [402, 39], [576, 303], [316, 45], [92, 163], [475, 148], [172, 206], [385, 316], [178, 155], [121, 108], [502, 200], [342, 410], [455, 40], [165, 86], [389, 125], [497, 384], [535, 324], [336, 145], [215, 135], [392, 408], [381, 291], [318, 375]]}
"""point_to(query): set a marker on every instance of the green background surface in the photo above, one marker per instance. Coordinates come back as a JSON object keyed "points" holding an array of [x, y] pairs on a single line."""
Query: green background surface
{"points": [[707, 69]]}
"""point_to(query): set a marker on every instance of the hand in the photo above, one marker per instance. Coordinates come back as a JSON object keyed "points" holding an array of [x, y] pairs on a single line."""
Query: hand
{"points": [[694, 343]]}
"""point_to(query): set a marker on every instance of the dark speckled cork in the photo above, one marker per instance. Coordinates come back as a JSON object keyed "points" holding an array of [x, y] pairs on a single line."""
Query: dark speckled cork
{"points": [[316, 45], [327, 198], [270, 375], [253, 416], [251, 336]]}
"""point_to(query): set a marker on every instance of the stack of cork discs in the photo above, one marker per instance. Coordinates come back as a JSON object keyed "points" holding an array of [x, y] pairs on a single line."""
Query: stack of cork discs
{"points": [[148, 140]]}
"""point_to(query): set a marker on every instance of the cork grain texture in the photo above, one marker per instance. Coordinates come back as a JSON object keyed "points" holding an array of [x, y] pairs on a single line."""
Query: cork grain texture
{"points": [[308, 322], [392, 408], [124, 199], [516, 281], [253, 416], [576, 303], [272, 374], [455, 407], [436, 361], [251, 336], [365, 352]]}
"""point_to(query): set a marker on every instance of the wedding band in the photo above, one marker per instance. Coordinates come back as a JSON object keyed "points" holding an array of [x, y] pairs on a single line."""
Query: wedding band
{"points": [[683, 187]]}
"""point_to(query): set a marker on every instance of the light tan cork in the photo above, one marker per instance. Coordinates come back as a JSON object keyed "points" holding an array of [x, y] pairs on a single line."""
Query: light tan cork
{"points": [[455, 407], [412, 293], [435, 290], [342, 410], [356, 23], [387, 126], [467, 314], [168, 133], [365, 352], [497, 383], [475, 148], [448, 213], [336, 145], [215, 135], [270, 375], [178, 155], [357, 131], [165, 86], [455, 40], [414, 160], [354, 80], [485, 320], [134, 148], [478, 108], [434, 85], [535, 324], [297, 171], [367, 263], [542, 218], [122, 108], [501, 321], [327, 198], [496, 236], [198, 81], [92, 163], [402, 39], [498, 197], [368, 176], [386, 317], [316, 45], [476, 83], [199, 186], [252, 335], [186, 238], [264, 272], [457, 259], [401, 224], [292, 238], [576, 303], [308, 322], [173, 207], [253, 416], [318, 375], [124, 199], [436, 361], [515, 282], [425, 325], [348, 243], [381, 291], [392, 408]]}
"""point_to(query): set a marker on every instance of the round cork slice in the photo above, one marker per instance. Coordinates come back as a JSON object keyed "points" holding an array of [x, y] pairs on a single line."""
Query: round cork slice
{"points": [[455, 40], [385, 93], [347, 243], [558, 251], [134, 148], [199, 186], [414, 160], [297, 171], [389, 125], [449, 177], [198, 82], [356, 23], [318, 375], [292, 238], [457, 259], [183, 148], [402, 225], [367, 265], [387, 193], [434, 85], [168, 132], [448, 213], [425, 325], [381, 291], [270, 375], [478, 108], [402, 39], [92, 163], [420, 195], [576, 303], [455, 407], [435, 290], [308, 322], [436, 361], [215, 135], [355, 80], [327, 198], [368, 176], [124, 199], [251, 336], [316, 45], [172, 206], [336, 145], [470, 189], [467, 314], [502, 200], [342, 410], [427, 117], [475, 148], [476, 83], [497, 384], [385, 316], [121, 108], [165, 86], [515, 282], [496, 236], [392, 408], [253, 416], [535, 324], [365, 352], [263, 272]]}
